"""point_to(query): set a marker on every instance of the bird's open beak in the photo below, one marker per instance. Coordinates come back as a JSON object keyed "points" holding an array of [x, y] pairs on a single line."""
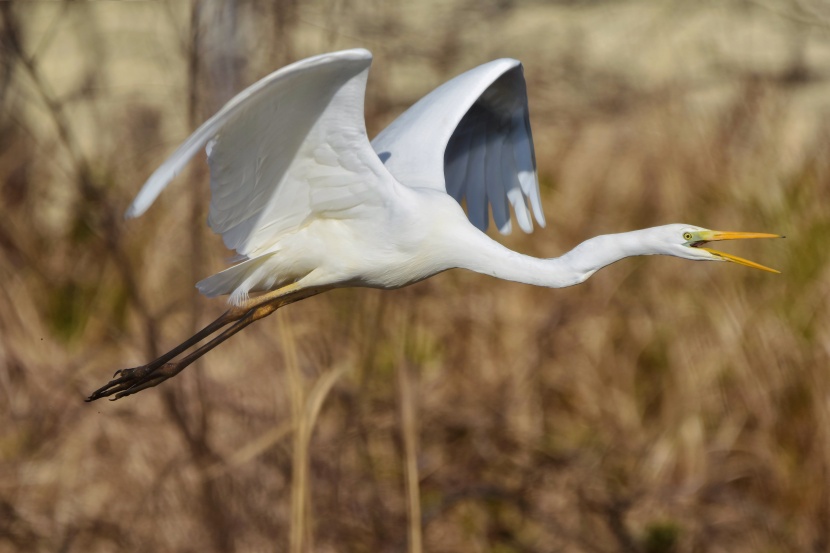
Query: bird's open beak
{"points": [[716, 235]]}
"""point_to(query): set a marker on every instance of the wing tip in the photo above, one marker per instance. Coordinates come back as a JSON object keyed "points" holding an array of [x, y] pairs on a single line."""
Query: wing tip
{"points": [[360, 52], [157, 182], [354, 54], [132, 212], [508, 63], [139, 205]]}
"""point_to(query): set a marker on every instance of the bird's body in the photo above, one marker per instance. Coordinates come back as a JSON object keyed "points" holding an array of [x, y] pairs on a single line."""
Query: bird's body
{"points": [[310, 204], [301, 194], [323, 252]]}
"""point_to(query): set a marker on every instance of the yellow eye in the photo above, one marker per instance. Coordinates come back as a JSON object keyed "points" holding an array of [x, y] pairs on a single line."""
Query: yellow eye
{"points": [[687, 236]]}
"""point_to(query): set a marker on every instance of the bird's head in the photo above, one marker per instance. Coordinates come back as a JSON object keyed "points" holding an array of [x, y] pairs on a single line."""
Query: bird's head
{"points": [[689, 242]]}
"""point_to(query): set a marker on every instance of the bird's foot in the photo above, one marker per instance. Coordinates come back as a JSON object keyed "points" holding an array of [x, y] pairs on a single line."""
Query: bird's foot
{"points": [[126, 382]]}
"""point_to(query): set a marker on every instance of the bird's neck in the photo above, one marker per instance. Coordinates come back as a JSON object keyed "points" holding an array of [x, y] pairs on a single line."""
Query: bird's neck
{"points": [[489, 257]]}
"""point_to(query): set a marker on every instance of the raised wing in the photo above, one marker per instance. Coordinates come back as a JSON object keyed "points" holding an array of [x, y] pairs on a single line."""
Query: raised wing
{"points": [[471, 137], [289, 146]]}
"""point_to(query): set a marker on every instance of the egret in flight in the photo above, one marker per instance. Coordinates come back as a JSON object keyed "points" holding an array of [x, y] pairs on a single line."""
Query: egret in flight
{"points": [[310, 204]]}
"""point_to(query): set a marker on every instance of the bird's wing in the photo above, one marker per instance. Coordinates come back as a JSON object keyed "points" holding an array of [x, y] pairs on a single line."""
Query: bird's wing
{"points": [[290, 146], [471, 137]]}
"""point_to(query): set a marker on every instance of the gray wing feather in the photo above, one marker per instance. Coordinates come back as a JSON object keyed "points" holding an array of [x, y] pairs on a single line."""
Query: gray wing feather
{"points": [[477, 196], [471, 138], [496, 193], [456, 165]]}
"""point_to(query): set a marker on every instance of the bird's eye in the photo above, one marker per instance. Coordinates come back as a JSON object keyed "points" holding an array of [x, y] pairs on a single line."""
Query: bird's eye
{"points": [[687, 236]]}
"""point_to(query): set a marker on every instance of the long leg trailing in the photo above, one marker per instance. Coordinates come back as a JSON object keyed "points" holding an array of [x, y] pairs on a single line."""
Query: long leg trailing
{"points": [[127, 382]]}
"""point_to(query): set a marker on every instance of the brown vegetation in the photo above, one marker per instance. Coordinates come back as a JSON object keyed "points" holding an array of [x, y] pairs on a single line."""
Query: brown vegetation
{"points": [[663, 406]]}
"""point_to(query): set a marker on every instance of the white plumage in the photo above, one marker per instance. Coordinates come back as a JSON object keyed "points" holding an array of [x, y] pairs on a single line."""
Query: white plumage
{"points": [[310, 204]]}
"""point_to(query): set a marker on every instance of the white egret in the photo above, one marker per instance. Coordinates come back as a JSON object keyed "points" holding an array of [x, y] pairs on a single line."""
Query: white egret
{"points": [[310, 204]]}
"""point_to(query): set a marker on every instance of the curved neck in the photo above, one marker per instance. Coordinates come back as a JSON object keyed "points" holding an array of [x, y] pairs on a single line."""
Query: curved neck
{"points": [[484, 255]]}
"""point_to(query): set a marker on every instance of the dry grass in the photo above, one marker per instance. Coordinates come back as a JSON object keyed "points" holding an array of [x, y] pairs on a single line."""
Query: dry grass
{"points": [[663, 406]]}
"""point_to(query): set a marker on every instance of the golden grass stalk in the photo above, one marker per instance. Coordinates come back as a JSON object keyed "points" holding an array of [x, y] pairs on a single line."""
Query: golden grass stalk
{"points": [[251, 450], [407, 391], [304, 411], [409, 431]]}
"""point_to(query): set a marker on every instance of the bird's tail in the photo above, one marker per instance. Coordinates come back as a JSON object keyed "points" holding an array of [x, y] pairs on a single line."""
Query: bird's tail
{"points": [[237, 281]]}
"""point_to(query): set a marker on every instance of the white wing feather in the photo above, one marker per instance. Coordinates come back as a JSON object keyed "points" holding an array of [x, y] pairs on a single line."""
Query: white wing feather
{"points": [[471, 137], [289, 146]]}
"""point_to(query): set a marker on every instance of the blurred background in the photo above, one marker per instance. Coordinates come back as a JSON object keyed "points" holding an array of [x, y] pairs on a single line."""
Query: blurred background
{"points": [[663, 406]]}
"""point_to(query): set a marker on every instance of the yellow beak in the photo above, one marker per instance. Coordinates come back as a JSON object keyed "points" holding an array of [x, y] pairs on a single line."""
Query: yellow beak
{"points": [[716, 235]]}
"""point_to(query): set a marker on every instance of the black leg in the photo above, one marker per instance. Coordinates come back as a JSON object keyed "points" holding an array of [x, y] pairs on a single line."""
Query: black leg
{"points": [[127, 382], [134, 380]]}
